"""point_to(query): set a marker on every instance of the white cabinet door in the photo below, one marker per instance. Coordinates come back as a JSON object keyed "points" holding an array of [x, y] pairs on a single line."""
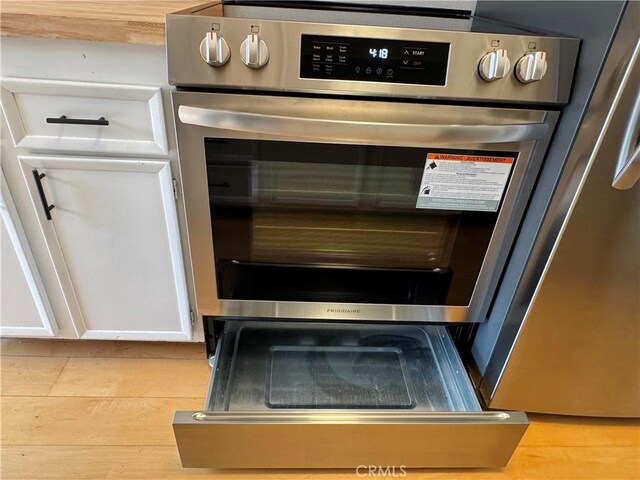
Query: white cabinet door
{"points": [[24, 309], [114, 223]]}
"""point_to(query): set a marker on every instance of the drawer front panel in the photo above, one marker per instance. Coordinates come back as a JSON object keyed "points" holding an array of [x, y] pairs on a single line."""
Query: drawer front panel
{"points": [[347, 440], [85, 117]]}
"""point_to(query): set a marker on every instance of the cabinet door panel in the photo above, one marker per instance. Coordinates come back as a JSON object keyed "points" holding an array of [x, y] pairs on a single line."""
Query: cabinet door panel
{"points": [[114, 222], [24, 309]]}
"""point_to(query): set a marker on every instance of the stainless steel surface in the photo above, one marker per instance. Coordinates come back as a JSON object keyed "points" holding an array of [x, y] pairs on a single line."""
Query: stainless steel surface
{"points": [[343, 311], [347, 440], [628, 166], [532, 67], [363, 17], [469, 5], [449, 4], [577, 350], [596, 24], [274, 366], [629, 174], [214, 49], [494, 65], [213, 361], [282, 73], [359, 416], [341, 131], [333, 111]]}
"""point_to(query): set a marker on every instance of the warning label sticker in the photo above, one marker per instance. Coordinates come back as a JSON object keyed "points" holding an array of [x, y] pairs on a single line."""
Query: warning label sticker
{"points": [[463, 182]]}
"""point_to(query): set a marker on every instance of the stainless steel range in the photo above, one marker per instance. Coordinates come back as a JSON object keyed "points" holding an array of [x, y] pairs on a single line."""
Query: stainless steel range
{"points": [[352, 184]]}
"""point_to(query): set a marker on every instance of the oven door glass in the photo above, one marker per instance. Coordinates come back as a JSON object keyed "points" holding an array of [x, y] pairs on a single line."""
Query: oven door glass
{"points": [[321, 222], [352, 209]]}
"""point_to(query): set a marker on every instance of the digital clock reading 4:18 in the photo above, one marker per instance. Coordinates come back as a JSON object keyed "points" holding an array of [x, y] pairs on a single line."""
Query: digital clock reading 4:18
{"points": [[381, 53], [381, 60]]}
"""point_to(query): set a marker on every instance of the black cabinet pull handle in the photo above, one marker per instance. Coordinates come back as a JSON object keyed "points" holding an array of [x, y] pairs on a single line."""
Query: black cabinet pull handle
{"points": [[78, 121], [45, 204]]}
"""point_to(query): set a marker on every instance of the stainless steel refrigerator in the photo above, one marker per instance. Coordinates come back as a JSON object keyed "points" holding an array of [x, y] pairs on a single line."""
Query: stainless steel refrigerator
{"points": [[563, 335]]}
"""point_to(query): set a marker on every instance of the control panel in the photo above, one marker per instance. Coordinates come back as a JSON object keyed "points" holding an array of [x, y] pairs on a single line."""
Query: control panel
{"points": [[283, 56], [374, 60]]}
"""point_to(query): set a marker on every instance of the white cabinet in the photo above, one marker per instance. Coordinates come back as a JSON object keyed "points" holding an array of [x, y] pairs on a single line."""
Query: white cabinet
{"points": [[24, 308], [114, 240], [110, 259], [110, 252]]}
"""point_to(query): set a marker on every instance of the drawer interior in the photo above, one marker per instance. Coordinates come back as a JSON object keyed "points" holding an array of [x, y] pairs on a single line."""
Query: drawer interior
{"points": [[289, 366]]}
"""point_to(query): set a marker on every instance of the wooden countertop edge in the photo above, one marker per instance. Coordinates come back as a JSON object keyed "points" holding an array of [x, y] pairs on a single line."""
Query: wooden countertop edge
{"points": [[78, 28]]}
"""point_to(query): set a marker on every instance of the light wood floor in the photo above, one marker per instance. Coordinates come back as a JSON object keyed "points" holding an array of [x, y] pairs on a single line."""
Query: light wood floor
{"points": [[103, 410]]}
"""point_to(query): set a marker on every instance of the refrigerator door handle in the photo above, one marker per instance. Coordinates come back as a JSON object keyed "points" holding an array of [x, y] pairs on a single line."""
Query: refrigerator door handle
{"points": [[628, 175], [628, 165]]}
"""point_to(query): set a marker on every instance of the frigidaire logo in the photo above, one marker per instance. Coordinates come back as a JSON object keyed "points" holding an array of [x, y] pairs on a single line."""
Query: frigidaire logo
{"points": [[343, 310]]}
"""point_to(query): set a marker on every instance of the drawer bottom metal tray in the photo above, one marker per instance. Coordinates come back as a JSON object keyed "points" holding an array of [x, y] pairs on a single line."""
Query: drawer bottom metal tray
{"points": [[265, 366]]}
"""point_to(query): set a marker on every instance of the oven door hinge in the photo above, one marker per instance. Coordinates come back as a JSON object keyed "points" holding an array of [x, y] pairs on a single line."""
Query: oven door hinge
{"points": [[174, 184]]}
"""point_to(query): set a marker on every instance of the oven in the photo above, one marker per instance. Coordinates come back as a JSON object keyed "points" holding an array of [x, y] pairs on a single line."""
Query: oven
{"points": [[350, 194]]}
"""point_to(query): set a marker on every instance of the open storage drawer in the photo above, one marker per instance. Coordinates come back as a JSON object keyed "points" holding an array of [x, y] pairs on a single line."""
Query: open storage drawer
{"points": [[321, 395]]}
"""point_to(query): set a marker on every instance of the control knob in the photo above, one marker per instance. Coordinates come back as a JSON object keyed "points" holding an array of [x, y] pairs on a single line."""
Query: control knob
{"points": [[494, 65], [254, 52], [531, 67], [214, 49]]}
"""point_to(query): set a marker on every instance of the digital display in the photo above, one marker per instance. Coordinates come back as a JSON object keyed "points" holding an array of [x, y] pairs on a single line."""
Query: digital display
{"points": [[382, 53], [374, 60]]}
